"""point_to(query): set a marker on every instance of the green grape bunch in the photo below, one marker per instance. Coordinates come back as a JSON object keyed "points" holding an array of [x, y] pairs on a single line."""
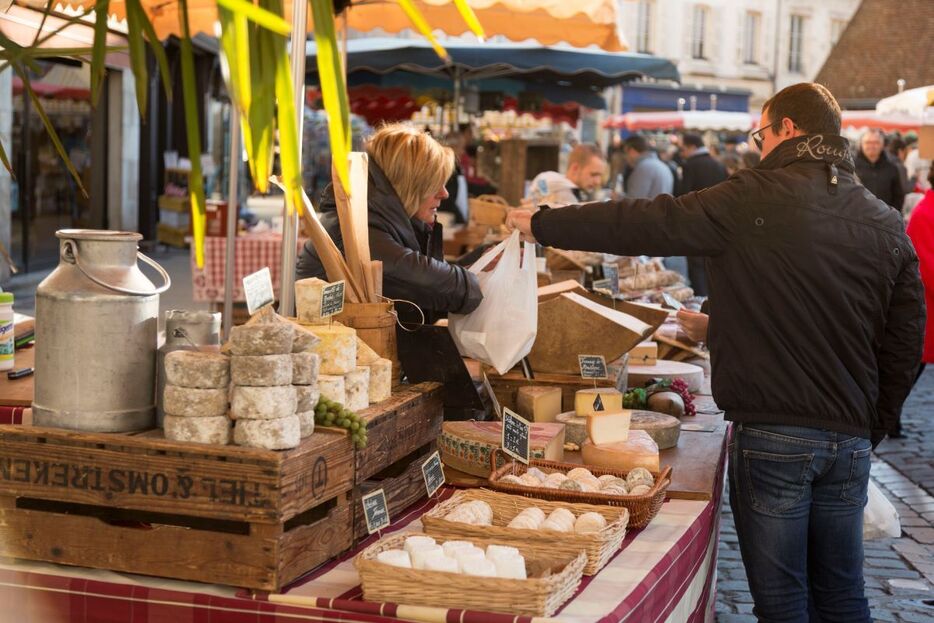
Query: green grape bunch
{"points": [[333, 413]]}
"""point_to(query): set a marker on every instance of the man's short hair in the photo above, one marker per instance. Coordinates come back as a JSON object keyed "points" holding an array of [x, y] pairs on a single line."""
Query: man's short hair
{"points": [[636, 143], [583, 154], [811, 106], [870, 132], [692, 140]]}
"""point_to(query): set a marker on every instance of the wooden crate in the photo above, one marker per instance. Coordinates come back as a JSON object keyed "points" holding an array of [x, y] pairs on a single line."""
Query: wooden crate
{"points": [[506, 386], [142, 504], [402, 482]]}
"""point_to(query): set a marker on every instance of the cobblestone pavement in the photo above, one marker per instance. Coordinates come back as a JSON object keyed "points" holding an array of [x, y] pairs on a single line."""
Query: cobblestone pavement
{"points": [[899, 572]]}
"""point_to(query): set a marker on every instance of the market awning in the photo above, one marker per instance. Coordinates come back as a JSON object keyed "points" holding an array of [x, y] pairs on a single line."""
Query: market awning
{"points": [[892, 122], [563, 66], [701, 120]]}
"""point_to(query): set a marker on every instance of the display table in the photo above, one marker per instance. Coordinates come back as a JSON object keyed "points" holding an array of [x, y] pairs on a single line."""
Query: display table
{"points": [[252, 253]]}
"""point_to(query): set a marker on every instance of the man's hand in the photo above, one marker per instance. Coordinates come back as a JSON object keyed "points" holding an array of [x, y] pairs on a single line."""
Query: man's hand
{"points": [[521, 220], [694, 324]]}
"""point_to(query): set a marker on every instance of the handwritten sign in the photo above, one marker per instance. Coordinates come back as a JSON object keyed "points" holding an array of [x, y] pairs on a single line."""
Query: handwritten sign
{"points": [[489, 392], [433, 472], [376, 511], [516, 436], [332, 299], [257, 289], [611, 273], [592, 366]]}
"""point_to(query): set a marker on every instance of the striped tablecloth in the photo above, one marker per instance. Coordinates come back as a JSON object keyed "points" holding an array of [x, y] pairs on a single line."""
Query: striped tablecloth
{"points": [[664, 573], [252, 253]]}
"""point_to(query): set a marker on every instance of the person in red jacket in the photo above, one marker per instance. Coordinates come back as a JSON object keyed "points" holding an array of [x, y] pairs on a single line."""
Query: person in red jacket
{"points": [[921, 232]]}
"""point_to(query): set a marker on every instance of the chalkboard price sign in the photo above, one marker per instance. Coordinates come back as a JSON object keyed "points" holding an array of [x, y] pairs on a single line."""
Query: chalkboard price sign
{"points": [[516, 436], [592, 366], [376, 511], [611, 273], [433, 472], [332, 299]]}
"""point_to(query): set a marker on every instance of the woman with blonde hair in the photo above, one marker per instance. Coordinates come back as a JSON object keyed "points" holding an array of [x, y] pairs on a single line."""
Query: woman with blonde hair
{"points": [[407, 173]]}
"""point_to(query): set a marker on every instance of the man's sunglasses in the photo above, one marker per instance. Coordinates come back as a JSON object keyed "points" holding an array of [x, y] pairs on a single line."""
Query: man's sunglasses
{"points": [[756, 135]]}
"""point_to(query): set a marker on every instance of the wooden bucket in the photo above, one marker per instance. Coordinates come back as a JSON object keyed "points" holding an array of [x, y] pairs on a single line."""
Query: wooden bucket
{"points": [[375, 324]]}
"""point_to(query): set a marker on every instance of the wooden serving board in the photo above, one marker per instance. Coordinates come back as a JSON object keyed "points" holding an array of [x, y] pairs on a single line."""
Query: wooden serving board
{"points": [[667, 370]]}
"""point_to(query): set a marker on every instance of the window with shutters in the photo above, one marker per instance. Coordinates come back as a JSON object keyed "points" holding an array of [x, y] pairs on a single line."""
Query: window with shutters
{"points": [[751, 29], [837, 26], [699, 32], [796, 45], [644, 26]]}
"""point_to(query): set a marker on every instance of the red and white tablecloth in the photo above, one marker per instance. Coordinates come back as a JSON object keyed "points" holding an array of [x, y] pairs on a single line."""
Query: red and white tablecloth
{"points": [[664, 573], [252, 252]]}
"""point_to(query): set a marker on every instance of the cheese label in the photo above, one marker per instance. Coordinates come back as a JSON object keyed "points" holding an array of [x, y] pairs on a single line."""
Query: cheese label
{"points": [[598, 404], [332, 299], [257, 289], [516, 436], [611, 274], [376, 511], [433, 473], [592, 366]]}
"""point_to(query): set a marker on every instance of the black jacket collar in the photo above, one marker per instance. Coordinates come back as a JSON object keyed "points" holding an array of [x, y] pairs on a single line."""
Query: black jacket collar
{"points": [[827, 148]]}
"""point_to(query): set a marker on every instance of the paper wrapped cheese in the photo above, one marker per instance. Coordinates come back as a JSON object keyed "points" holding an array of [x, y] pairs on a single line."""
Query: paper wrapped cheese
{"points": [[262, 339], [305, 368], [193, 402], [395, 558], [357, 389], [308, 294], [418, 541], [215, 430], [511, 568], [380, 380], [481, 568], [191, 368], [262, 403], [332, 388], [261, 370], [422, 554], [306, 397], [637, 451], [337, 348], [452, 546], [445, 564], [468, 554], [279, 434]]}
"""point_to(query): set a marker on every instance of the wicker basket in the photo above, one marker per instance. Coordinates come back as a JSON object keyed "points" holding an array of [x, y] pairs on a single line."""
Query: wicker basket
{"points": [[642, 508], [598, 546], [553, 579]]}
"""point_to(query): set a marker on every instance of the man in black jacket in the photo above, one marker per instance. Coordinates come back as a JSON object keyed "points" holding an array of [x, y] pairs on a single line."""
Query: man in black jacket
{"points": [[815, 334], [877, 171], [700, 171]]}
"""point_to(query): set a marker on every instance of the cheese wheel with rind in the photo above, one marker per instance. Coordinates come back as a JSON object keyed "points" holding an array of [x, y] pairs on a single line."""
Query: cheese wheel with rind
{"points": [[640, 450], [306, 423], [332, 388], [279, 434], [213, 430], [538, 403], [304, 340], [306, 397], [338, 349], [365, 355], [308, 294], [575, 427], [262, 339], [664, 429], [591, 400], [194, 402], [305, 368], [197, 369], [380, 380], [357, 389], [261, 370], [608, 426], [262, 403]]}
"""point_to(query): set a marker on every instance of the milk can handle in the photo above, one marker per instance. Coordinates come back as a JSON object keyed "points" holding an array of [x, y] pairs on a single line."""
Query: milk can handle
{"points": [[70, 255]]}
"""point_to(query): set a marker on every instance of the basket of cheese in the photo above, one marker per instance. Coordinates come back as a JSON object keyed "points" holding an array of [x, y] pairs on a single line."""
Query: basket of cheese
{"points": [[475, 574], [545, 528]]}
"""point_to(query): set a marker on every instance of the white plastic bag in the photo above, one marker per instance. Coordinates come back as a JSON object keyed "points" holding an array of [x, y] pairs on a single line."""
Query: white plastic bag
{"points": [[880, 519], [501, 331]]}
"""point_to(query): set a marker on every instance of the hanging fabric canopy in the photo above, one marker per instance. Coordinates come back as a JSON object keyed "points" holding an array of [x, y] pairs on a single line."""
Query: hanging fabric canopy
{"points": [[700, 120], [912, 102]]}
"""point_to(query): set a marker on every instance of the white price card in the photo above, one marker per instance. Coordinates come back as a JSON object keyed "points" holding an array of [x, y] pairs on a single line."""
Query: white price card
{"points": [[257, 289]]}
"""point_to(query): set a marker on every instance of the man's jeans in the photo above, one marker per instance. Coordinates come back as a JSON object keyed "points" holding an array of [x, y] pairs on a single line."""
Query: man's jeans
{"points": [[797, 496]]}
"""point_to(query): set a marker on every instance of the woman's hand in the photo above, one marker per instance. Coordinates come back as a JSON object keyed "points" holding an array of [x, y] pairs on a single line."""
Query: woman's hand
{"points": [[694, 324], [521, 220]]}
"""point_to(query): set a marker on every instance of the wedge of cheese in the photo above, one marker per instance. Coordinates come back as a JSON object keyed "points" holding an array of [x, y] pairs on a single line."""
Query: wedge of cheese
{"points": [[337, 349], [466, 446], [537, 403], [308, 300], [596, 400], [637, 451], [606, 427], [645, 354]]}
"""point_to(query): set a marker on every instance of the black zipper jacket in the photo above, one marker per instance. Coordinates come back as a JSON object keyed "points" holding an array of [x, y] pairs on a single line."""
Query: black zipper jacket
{"points": [[411, 251], [816, 308]]}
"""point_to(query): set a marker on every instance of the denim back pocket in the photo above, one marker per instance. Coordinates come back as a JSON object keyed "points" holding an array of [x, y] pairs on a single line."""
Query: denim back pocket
{"points": [[776, 482], [856, 488]]}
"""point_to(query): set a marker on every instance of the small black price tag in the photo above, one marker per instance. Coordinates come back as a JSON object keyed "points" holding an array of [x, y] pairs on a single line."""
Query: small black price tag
{"points": [[598, 404], [592, 366], [516, 436], [433, 472], [332, 299], [611, 273], [376, 511]]}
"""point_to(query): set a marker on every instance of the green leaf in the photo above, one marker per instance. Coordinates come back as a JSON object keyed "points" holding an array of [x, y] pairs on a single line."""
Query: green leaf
{"points": [[235, 57], [288, 130], [6, 161], [156, 46], [333, 87], [262, 113], [134, 37], [470, 18], [421, 24], [49, 128], [98, 53], [264, 17], [189, 94]]}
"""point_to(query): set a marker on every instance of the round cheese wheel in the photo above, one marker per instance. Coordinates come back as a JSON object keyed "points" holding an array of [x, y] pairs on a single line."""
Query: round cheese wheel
{"points": [[214, 430], [555, 526], [530, 481], [639, 450], [279, 434], [262, 339], [666, 370], [261, 370], [575, 427], [306, 423], [639, 473], [570, 485], [664, 429], [306, 397], [332, 388], [305, 368], [615, 490], [579, 472], [262, 403], [589, 522], [193, 402], [192, 368], [357, 389], [640, 490], [511, 479], [556, 478], [537, 473], [304, 340]]}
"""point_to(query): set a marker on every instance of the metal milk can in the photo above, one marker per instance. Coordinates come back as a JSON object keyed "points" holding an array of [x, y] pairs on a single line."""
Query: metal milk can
{"points": [[185, 330], [96, 325]]}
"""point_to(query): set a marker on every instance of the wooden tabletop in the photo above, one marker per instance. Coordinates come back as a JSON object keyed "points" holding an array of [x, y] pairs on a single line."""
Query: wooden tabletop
{"points": [[19, 393]]}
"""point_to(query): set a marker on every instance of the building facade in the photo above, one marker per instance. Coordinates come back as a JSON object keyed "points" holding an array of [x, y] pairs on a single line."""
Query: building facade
{"points": [[758, 45]]}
